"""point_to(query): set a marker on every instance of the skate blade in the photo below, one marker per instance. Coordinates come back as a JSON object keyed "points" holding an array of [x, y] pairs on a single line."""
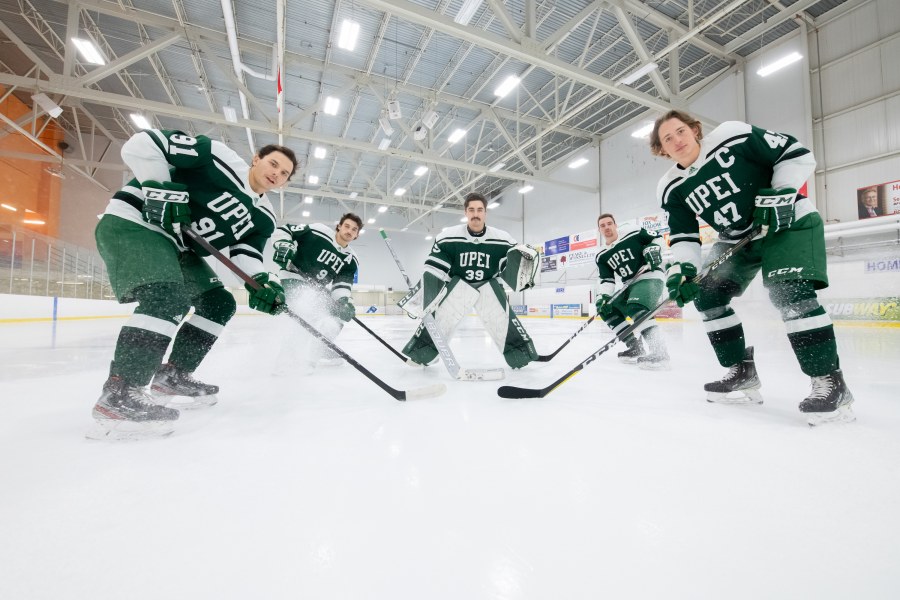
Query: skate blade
{"points": [[748, 396], [844, 414], [129, 431], [184, 402], [481, 374]]}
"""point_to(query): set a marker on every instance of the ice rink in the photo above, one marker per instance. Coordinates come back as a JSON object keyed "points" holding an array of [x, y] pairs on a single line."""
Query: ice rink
{"points": [[622, 483]]}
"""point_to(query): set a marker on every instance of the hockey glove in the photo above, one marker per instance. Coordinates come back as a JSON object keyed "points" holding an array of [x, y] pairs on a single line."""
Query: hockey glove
{"points": [[653, 256], [269, 296], [774, 209], [284, 252], [166, 206], [680, 283], [604, 308], [344, 310]]}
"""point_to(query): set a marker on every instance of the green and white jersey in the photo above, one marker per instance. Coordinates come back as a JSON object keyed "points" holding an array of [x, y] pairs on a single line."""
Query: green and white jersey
{"points": [[736, 160], [224, 208], [624, 258], [474, 258], [319, 258]]}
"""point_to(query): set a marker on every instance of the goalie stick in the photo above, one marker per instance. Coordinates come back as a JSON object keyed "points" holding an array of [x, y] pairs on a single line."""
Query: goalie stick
{"points": [[440, 342], [428, 391], [511, 391], [549, 357]]}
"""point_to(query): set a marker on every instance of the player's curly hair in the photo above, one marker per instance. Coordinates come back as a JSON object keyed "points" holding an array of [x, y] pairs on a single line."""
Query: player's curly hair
{"points": [[655, 143]]}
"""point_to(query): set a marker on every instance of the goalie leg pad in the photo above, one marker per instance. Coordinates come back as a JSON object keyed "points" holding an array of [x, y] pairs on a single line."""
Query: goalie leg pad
{"points": [[503, 326], [522, 264], [459, 300]]}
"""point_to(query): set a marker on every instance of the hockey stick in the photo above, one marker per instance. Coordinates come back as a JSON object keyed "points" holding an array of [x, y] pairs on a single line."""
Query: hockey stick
{"points": [[510, 391], [549, 357], [428, 391], [440, 342], [290, 267]]}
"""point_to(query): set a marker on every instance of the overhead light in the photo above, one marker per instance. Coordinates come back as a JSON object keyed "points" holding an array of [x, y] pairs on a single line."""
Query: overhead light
{"points": [[8, 207], [526, 188], [320, 152], [140, 121], [349, 34], [313, 179], [305, 213], [399, 191], [382, 209], [467, 11], [779, 64], [429, 119], [370, 221], [50, 107], [428, 237], [494, 205], [438, 206], [307, 200], [230, 114], [404, 229], [497, 167], [384, 143], [456, 136], [643, 132], [386, 126], [578, 162], [506, 87], [419, 133], [354, 194], [34, 222], [89, 51], [463, 220], [640, 72], [394, 111], [421, 170], [332, 105]]}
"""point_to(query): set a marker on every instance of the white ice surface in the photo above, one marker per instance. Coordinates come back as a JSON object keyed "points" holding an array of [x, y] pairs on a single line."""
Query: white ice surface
{"points": [[620, 484]]}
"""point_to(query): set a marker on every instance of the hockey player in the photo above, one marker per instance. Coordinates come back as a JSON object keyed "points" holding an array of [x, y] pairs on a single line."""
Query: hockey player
{"points": [[623, 257], [180, 181], [464, 270], [317, 270], [738, 177]]}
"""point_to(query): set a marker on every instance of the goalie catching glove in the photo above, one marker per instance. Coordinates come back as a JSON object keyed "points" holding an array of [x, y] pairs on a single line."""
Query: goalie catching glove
{"points": [[269, 296], [680, 283], [774, 209], [283, 252], [166, 206], [522, 262]]}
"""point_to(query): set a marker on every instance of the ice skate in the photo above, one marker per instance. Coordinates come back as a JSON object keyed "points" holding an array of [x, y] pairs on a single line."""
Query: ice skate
{"points": [[178, 389], [658, 358], [126, 412], [739, 386], [634, 352], [829, 401]]}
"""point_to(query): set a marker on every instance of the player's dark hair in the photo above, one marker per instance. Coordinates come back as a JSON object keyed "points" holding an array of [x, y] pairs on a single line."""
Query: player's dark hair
{"points": [[603, 216], [655, 143], [269, 149], [353, 217], [474, 197]]}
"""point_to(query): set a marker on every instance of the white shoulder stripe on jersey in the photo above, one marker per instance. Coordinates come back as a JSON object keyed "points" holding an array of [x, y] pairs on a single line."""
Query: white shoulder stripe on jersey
{"points": [[438, 262]]}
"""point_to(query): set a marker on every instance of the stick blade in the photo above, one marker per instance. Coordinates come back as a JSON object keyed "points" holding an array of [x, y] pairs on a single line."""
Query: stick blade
{"points": [[481, 374], [511, 391], [428, 391]]}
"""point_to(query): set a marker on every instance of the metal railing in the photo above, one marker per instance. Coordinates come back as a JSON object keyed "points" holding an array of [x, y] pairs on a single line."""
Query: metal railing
{"points": [[32, 264]]}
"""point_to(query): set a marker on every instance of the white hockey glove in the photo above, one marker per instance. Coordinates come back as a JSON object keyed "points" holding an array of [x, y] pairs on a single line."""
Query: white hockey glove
{"points": [[522, 263]]}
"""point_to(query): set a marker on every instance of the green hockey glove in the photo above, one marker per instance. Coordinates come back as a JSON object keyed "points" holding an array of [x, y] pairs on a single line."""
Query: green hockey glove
{"points": [[344, 310], [166, 206], [284, 251], [680, 283], [774, 209], [653, 256], [604, 308], [269, 297]]}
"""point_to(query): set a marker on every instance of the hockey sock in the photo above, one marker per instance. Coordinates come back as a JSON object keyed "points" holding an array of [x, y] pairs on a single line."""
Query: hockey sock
{"points": [[143, 340], [212, 310], [726, 334], [809, 328]]}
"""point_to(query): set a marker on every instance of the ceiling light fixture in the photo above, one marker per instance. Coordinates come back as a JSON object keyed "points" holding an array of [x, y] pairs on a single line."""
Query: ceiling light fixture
{"points": [[8, 207], [507, 86], [50, 107], [305, 213], [89, 51], [578, 162], [467, 11], [230, 114], [386, 126], [382, 209], [399, 191], [371, 220], [320, 152], [313, 179], [497, 167], [456, 136], [349, 34], [526, 188], [428, 237], [140, 121], [307, 200], [643, 132], [429, 119], [493, 205], [640, 72], [332, 105], [779, 64], [384, 143], [354, 194], [420, 170]]}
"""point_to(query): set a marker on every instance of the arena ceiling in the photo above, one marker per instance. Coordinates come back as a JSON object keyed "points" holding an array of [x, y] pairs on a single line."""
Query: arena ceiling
{"points": [[210, 67]]}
